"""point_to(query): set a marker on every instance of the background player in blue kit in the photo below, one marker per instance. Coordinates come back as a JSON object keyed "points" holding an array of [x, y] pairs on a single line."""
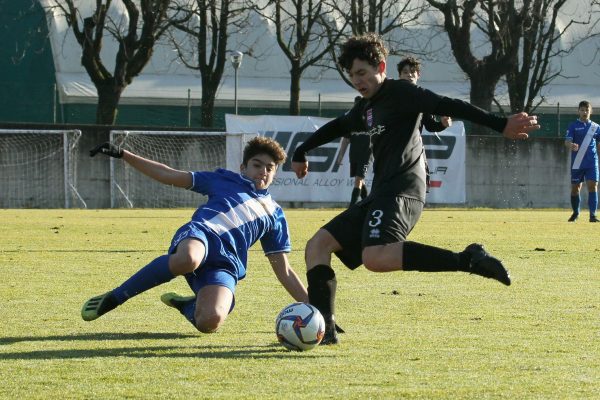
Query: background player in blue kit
{"points": [[211, 250], [581, 139]]}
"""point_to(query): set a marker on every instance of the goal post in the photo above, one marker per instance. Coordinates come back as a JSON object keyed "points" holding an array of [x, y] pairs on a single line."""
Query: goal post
{"points": [[183, 150], [39, 168]]}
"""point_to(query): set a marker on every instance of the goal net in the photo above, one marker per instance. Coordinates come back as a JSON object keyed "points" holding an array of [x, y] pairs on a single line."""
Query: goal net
{"points": [[187, 151], [39, 169]]}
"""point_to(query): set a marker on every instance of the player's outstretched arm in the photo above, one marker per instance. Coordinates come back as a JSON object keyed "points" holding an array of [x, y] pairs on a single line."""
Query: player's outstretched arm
{"points": [[155, 170], [108, 149], [519, 125], [300, 168], [325, 134], [288, 277]]}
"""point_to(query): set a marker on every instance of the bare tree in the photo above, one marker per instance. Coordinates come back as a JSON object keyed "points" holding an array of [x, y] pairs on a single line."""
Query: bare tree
{"points": [[385, 17], [501, 23], [135, 37], [301, 36], [541, 44], [391, 19], [207, 26]]}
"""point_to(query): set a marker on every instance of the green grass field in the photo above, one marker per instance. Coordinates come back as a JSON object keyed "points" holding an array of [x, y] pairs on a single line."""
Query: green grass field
{"points": [[409, 335]]}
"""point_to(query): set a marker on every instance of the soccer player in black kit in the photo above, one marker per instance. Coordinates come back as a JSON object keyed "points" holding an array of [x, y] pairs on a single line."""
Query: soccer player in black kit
{"points": [[373, 232]]}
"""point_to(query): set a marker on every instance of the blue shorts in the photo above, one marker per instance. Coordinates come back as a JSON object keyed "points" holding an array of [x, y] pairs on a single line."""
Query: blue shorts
{"points": [[217, 268], [581, 174]]}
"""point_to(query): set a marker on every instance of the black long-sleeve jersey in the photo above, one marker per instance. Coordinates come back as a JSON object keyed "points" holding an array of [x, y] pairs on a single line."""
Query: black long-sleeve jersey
{"points": [[392, 118], [360, 148]]}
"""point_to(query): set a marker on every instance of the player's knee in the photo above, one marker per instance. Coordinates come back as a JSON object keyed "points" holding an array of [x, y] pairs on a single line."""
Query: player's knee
{"points": [[312, 244], [319, 247], [316, 244], [209, 323], [184, 262], [375, 262]]}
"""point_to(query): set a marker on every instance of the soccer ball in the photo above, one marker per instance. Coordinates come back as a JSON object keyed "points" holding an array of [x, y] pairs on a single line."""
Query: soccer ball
{"points": [[299, 327]]}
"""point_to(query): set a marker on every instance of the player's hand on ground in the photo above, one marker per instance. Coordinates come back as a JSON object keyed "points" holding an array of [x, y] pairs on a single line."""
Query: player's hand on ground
{"points": [[519, 125], [108, 149], [300, 168]]}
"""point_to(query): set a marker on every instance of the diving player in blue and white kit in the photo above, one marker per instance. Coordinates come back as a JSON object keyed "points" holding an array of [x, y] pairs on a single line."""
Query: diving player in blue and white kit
{"points": [[582, 138], [211, 250]]}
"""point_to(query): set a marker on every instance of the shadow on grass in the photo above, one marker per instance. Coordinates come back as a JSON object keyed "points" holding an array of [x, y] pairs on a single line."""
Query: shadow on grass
{"points": [[271, 351], [97, 336]]}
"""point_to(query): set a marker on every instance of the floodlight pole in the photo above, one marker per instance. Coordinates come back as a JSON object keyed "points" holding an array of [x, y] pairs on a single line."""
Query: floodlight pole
{"points": [[236, 61]]}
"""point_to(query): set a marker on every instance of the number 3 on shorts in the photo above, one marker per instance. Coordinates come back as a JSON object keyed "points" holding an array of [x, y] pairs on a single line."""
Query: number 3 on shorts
{"points": [[375, 218]]}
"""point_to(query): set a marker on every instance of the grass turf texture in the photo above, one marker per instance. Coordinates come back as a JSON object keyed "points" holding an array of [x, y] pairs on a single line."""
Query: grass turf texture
{"points": [[409, 335]]}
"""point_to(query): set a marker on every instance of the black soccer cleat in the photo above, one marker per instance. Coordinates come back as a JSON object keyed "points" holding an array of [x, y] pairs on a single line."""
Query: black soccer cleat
{"points": [[330, 336], [594, 219], [98, 306], [574, 217], [485, 265]]}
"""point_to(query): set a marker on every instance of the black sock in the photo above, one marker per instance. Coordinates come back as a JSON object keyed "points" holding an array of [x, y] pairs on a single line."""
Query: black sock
{"points": [[364, 192], [321, 290], [355, 194], [421, 257], [575, 201]]}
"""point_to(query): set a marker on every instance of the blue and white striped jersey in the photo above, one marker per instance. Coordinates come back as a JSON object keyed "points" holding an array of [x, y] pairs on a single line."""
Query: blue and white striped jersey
{"points": [[585, 134], [240, 215]]}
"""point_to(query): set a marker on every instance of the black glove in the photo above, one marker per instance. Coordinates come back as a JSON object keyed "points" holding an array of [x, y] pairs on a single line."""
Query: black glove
{"points": [[108, 149]]}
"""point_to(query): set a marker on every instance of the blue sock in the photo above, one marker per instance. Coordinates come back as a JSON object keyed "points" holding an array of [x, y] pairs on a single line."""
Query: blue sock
{"points": [[153, 274], [593, 203], [575, 200]]}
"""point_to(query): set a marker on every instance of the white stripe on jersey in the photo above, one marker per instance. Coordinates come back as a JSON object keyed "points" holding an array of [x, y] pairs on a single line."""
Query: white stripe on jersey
{"points": [[250, 210], [584, 146]]}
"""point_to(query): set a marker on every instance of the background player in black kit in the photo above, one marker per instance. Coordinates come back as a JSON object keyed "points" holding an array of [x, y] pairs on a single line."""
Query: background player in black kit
{"points": [[409, 69], [359, 157], [373, 232]]}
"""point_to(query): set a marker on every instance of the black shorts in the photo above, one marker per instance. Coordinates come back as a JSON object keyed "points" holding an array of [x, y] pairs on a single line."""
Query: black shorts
{"points": [[359, 169], [382, 220]]}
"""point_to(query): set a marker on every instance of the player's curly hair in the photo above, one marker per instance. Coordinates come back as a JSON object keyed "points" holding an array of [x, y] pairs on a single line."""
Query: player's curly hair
{"points": [[264, 145], [413, 63], [368, 47]]}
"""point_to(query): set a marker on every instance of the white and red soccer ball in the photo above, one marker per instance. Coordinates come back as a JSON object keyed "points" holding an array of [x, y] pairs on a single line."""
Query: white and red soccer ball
{"points": [[300, 327]]}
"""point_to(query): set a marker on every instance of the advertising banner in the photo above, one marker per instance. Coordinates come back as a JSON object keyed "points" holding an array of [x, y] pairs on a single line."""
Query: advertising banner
{"points": [[445, 153], [329, 182]]}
